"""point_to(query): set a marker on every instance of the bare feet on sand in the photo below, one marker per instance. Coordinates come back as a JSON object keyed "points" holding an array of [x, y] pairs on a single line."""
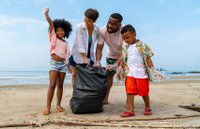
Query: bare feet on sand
{"points": [[46, 111], [60, 109]]}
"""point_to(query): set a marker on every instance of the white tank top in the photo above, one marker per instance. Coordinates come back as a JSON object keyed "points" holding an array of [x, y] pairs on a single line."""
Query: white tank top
{"points": [[135, 63]]}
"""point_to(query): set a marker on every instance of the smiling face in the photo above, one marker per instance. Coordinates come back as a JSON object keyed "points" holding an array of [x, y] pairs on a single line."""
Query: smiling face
{"points": [[129, 38], [113, 25], [88, 22], [60, 33]]}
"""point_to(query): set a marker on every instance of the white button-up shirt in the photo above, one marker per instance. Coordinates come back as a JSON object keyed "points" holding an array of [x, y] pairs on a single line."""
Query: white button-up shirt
{"points": [[81, 42]]}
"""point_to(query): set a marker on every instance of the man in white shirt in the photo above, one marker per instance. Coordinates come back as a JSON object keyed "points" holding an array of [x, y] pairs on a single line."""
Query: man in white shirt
{"points": [[111, 35]]}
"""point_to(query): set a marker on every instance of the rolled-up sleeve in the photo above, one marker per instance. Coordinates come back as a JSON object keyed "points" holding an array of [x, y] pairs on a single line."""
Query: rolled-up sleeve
{"points": [[80, 40], [148, 51]]}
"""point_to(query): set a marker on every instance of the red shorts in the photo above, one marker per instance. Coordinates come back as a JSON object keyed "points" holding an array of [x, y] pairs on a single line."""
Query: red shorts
{"points": [[136, 86]]}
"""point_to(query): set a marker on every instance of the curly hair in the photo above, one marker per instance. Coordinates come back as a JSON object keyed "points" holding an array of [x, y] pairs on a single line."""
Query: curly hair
{"points": [[62, 23]]}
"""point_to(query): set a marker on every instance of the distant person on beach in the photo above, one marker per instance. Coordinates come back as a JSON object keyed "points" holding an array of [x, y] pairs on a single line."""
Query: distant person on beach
{"points": [[83, 47], [136, 66], [110, 34], [59, 31]]}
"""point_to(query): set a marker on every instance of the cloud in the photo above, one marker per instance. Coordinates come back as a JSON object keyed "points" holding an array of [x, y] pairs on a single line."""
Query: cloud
{"points": [[5, 34], [72, 1], [175, 50], [14, 1], [12, 28], [177, 37], [186, 37], [7, 1], [23, 1], [9, 21], [196, 11], [13, 21]]}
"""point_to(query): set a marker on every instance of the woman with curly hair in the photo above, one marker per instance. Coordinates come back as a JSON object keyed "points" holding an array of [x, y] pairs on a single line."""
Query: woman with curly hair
{"points": [[59, 30]]}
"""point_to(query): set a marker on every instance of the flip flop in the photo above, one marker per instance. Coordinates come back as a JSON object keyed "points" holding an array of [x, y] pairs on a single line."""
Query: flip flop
{"points": [[127, 114], [147, 112]]}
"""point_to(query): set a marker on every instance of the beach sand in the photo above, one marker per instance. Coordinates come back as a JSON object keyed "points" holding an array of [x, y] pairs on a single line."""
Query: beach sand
{"points": [[22, 106]]}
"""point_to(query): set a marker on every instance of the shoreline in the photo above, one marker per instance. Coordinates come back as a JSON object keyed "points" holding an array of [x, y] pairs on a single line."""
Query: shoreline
{"points": [[42, 81], [156, 82]]}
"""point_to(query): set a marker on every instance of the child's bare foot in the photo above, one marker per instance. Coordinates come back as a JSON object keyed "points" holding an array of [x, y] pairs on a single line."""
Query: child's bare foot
{"points": [[46, 111], [60, 109]]}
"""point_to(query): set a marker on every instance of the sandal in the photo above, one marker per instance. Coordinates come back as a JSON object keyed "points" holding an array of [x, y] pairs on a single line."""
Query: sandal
{"points": [[60, 109], [46, 112], [127, 114], [147, 112]]}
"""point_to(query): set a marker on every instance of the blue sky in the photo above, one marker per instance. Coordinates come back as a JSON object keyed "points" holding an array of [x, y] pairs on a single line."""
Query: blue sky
{"points": [[170, 27]]}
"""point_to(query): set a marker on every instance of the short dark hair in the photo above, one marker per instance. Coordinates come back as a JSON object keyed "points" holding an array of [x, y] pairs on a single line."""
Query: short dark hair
{"points": [[62, 23], [127, 28], [117, 16], [92, 14]]}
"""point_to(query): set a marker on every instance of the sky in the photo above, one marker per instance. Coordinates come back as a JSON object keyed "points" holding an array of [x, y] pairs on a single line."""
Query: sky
{"points": [[171, 28]]}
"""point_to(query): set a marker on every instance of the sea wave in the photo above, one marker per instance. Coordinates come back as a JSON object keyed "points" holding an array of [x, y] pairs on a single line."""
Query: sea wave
{"points": [[31, 78]]}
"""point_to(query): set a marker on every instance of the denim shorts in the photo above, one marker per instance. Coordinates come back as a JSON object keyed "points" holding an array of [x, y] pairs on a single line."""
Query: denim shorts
{"points": [[59, 66], [71, 61]]}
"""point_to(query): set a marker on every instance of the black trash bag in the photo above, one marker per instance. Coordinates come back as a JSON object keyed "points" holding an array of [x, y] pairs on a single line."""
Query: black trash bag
{"points": [[89, 89]]}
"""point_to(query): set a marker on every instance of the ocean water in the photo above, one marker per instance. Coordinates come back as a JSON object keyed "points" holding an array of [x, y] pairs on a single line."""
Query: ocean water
{"points": [[42, 77], [27, 77]]}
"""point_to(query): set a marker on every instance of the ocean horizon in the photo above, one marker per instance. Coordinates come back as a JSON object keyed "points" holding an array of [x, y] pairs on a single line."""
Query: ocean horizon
{"points": [[42, 77], [27, 78]]}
